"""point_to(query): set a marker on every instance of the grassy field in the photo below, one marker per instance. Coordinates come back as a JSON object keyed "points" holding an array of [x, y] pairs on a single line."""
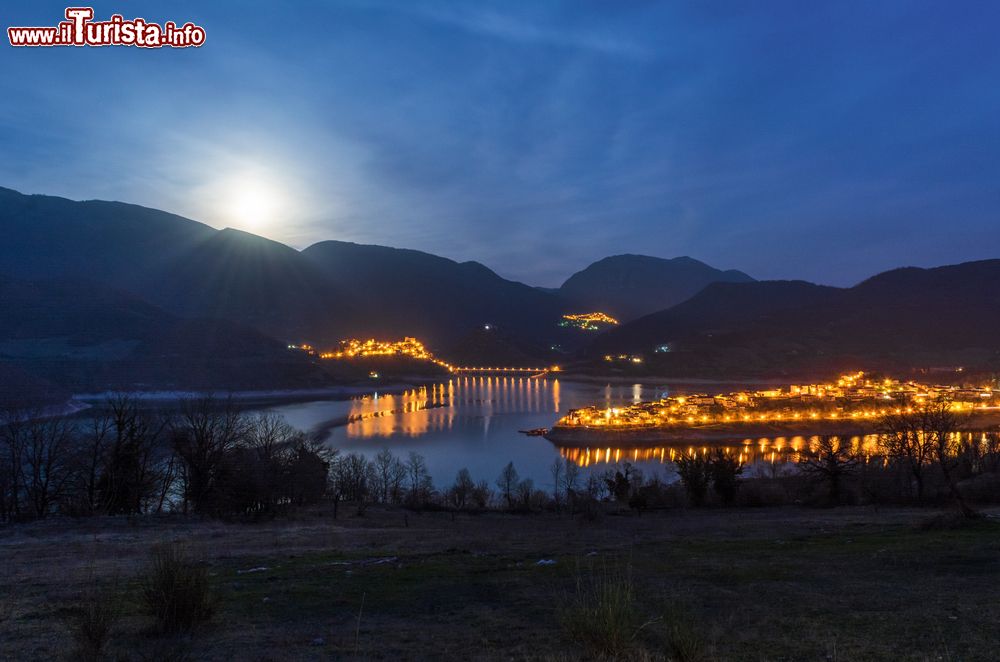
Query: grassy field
{"points": [[767, 584]]}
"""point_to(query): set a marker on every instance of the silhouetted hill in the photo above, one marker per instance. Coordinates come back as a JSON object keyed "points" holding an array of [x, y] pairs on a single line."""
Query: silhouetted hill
{"points": [[180, 265], [110, 242], [901, 319], [719, 309], [439, 300], [21, 391], [84, 336], [629, 286], [243, 277], [492, 347]]}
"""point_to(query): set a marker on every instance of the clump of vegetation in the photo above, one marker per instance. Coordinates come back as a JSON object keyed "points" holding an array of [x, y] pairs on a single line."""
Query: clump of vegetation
{"points": [[175, 590], [603, 613], [684, 641], [92, 620], [830, 460], [695, 472], [725, 471]]}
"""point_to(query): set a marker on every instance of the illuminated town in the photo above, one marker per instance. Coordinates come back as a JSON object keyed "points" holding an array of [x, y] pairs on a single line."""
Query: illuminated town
{"points": [[353, 347], [853, 396], [414, 349], [588, 321]]}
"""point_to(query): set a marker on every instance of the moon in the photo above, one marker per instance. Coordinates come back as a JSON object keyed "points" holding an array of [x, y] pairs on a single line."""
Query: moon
{"points": [[252, 205]]}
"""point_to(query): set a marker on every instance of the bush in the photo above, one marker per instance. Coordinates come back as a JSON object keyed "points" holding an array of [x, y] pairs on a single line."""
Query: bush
{"points": [[763, 492], [695, 475], [602, 614], [984, 488], [91, 622], [725, 471], [684, 640], [175, 590]]}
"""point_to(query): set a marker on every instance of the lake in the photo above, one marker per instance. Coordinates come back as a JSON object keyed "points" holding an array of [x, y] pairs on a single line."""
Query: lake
{"points": [[473, 422]]}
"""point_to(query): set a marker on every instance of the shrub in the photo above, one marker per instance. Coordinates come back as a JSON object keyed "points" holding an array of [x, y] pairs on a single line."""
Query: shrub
{"points": [[91, 622], [725, 471], [602, 614], [175, 590], [695, 475], [684, 640]]}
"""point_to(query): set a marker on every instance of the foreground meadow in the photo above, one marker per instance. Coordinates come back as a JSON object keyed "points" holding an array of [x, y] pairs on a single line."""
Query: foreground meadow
{"points": [[764, 584]]}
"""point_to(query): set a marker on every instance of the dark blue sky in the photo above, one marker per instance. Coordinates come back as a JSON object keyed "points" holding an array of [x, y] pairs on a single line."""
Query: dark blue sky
{"points": [[825, 141]]}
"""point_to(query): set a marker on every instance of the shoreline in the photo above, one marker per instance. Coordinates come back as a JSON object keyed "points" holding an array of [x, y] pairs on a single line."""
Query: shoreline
{"points": [[258, 397], [651, 380], [601, 437]]}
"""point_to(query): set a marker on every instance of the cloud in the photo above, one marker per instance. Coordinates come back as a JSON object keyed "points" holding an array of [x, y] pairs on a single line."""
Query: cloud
{"points": [[505, 26]]}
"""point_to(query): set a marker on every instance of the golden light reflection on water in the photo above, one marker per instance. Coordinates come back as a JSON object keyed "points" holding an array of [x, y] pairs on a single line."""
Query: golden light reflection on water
{"points": [[747, 451], [778, 450], [433, 408]]}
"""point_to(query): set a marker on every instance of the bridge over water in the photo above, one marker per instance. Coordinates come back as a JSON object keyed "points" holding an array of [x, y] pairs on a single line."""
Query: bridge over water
{"points": [[484, 370]]}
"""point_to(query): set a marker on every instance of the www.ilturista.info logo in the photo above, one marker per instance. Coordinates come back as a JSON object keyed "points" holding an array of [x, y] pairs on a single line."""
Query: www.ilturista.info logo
{"points": [[79, 29]]}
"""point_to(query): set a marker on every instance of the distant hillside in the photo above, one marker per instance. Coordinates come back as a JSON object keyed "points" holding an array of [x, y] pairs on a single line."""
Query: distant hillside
{"points": [[178, 264], [110, 242], [330, 291], [78, 336], [902, 319], [439, 300], [20, 389], [629, 286], [249, 279]]}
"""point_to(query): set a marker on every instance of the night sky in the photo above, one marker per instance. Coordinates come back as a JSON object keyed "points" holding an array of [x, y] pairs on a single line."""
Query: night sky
{"points": [[824, 141]]}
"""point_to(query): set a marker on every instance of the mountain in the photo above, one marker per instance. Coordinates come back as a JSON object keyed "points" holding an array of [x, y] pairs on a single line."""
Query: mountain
{"points": [[327, 292], [242, 277], [407, 292], [902, 319], [630, 286], [110, 242], [180, 265], [83, 336]]}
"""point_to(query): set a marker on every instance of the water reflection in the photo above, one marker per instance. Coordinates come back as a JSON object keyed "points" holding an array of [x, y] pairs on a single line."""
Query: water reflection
{"points": [[779, 450], [433, 408], [473, 421]]}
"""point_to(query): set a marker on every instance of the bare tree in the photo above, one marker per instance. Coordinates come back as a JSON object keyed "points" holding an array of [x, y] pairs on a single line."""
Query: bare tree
{"points": [[389, 475], [902, 440], [557, 469], [14, 436], [830, 461], [47, 463], [421, 486], [482, 495], [206, 431], [928, 433], [525, 492], [570, 480], [37, 462], [695, 474], [944, 426], [507, 482], [463, 488], [91, 450], [352, 475]]}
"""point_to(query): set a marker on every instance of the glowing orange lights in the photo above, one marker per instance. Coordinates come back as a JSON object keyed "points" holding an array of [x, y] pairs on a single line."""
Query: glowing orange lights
{"points": [[852, 397]]}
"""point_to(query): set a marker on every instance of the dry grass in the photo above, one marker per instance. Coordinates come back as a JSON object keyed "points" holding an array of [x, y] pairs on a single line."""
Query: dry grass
{"points": [[175, 589], [775, 584], [603, 613], [92, 619]]}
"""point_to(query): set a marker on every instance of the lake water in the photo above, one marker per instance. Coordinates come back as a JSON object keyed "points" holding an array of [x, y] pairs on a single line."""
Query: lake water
{"points": [[470, 422], [474, 422]]}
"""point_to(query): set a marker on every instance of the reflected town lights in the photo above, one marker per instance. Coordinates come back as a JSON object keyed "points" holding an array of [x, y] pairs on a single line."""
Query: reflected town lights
{"points": [[853, 397]]}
